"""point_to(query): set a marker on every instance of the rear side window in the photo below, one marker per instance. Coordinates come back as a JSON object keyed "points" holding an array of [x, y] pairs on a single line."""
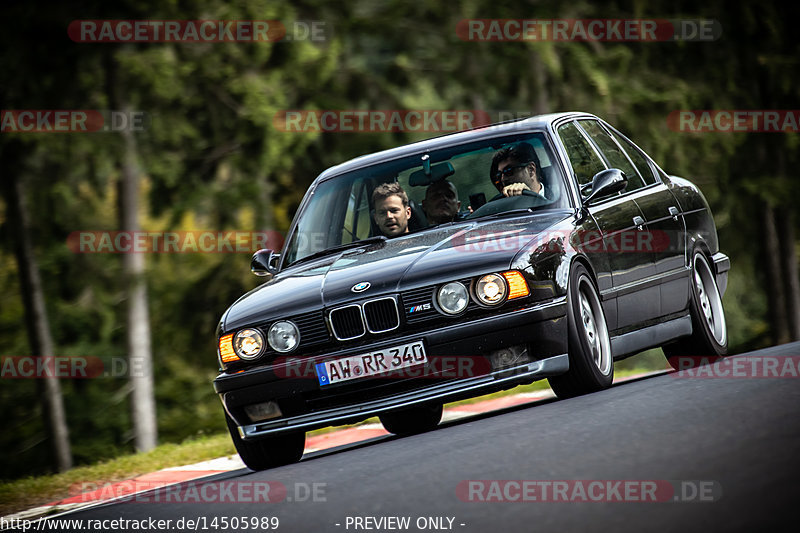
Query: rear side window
{"points": [[613, 153], [645, 169], [582, 156]]}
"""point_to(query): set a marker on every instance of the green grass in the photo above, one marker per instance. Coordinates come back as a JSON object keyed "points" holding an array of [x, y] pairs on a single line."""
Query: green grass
{"points": [[26, 493], [30, 492]]}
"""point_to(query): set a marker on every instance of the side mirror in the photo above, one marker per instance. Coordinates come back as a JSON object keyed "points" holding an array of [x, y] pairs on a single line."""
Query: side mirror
{"points": [[265, 263], [605, 183]]}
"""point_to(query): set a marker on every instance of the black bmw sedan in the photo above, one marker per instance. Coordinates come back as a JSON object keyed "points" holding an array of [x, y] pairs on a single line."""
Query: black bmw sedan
{"points": [[466, 264]]}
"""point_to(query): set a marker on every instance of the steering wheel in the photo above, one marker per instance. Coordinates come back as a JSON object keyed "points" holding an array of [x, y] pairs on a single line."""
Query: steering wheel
{"points": [[525, 192], [501, 203]]}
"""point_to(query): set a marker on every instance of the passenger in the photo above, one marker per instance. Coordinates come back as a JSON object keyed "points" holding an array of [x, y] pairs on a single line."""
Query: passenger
{"points": [[441, 202], [392, 211], [514, 169]]}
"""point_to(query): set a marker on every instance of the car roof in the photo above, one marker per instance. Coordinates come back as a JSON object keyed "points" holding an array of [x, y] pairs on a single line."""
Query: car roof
{"points": [[534, 123]]}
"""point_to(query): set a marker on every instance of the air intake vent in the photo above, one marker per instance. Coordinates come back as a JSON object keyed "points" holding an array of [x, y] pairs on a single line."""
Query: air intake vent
{"points": [[381, 315], [346, 322]]}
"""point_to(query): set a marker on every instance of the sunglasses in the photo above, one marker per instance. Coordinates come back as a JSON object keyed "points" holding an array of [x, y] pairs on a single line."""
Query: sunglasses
{"points": [[508, 171]]}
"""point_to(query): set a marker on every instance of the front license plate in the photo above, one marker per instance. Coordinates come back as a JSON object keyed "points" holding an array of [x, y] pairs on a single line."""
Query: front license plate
{"points": [[371, 364]]}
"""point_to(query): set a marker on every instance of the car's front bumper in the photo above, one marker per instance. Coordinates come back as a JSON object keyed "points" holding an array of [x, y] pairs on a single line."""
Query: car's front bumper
{"points": [[441, 393], [305, 405]]}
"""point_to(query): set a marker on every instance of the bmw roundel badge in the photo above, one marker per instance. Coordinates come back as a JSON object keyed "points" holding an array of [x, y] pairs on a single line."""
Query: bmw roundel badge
{"points": [[361, 287]]}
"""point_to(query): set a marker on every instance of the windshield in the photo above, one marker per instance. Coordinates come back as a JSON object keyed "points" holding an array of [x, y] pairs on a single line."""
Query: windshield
{"points": [[444, 186]]}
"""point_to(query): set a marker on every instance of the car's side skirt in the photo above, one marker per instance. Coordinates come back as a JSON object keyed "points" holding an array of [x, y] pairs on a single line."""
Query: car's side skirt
{"points": [[633, 342]]}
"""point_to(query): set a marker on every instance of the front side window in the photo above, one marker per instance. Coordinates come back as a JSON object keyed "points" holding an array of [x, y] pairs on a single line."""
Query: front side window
{"points": [[582, 156]]}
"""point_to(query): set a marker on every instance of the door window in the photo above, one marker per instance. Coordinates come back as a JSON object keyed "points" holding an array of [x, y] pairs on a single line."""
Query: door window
{"points": [[582, 156], [613, 153], [645, 169]]}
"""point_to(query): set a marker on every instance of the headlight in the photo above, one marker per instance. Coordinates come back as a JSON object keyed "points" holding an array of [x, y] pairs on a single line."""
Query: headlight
{"points": [[283, 336], [453, 298], [491, 289], [248, 343]]}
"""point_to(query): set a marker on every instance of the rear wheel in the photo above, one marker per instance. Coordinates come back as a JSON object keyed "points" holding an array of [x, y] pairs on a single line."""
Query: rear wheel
{"points": [[412, 420], [709, 329], [281, 449], [591, 366]]}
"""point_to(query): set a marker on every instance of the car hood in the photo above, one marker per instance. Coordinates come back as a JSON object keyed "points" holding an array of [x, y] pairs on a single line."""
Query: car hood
{"points": [[445, 253]]}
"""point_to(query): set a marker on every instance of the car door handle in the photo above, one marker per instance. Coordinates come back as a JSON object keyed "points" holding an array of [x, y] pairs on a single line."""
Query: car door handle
{"points": [[674, 212], [638, 222]]}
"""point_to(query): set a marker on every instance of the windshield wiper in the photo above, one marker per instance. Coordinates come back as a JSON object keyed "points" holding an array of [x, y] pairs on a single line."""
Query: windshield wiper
{"points": [[503, 214], [340, 248]]}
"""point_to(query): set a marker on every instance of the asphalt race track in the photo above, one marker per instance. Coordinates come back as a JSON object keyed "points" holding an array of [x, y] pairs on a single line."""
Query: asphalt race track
{"points": [[729, 445]]}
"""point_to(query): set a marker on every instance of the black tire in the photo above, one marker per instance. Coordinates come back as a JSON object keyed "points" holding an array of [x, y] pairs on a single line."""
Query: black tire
{"points": [[591, 364], [412, 420], [281, 449], [709, 338]]}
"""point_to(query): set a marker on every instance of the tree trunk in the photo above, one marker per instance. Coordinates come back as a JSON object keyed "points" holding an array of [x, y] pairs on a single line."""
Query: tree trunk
{"points": [[36, 322], [138, 318], [542, 98], [775, 290], [265, 218], [791, 280]]}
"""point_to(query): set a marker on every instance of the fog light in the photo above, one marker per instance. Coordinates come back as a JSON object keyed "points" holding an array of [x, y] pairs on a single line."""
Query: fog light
{"points": [[507, 357], [263, 411]]}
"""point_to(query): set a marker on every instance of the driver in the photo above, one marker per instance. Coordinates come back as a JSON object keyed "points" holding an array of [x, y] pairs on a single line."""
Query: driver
{"points": [[514, 169]]}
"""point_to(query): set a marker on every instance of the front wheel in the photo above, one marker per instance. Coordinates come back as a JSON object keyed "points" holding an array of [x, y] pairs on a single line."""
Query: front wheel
{"points": [[269, 452], [412, 420], [709, 329], [591, 366]]}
